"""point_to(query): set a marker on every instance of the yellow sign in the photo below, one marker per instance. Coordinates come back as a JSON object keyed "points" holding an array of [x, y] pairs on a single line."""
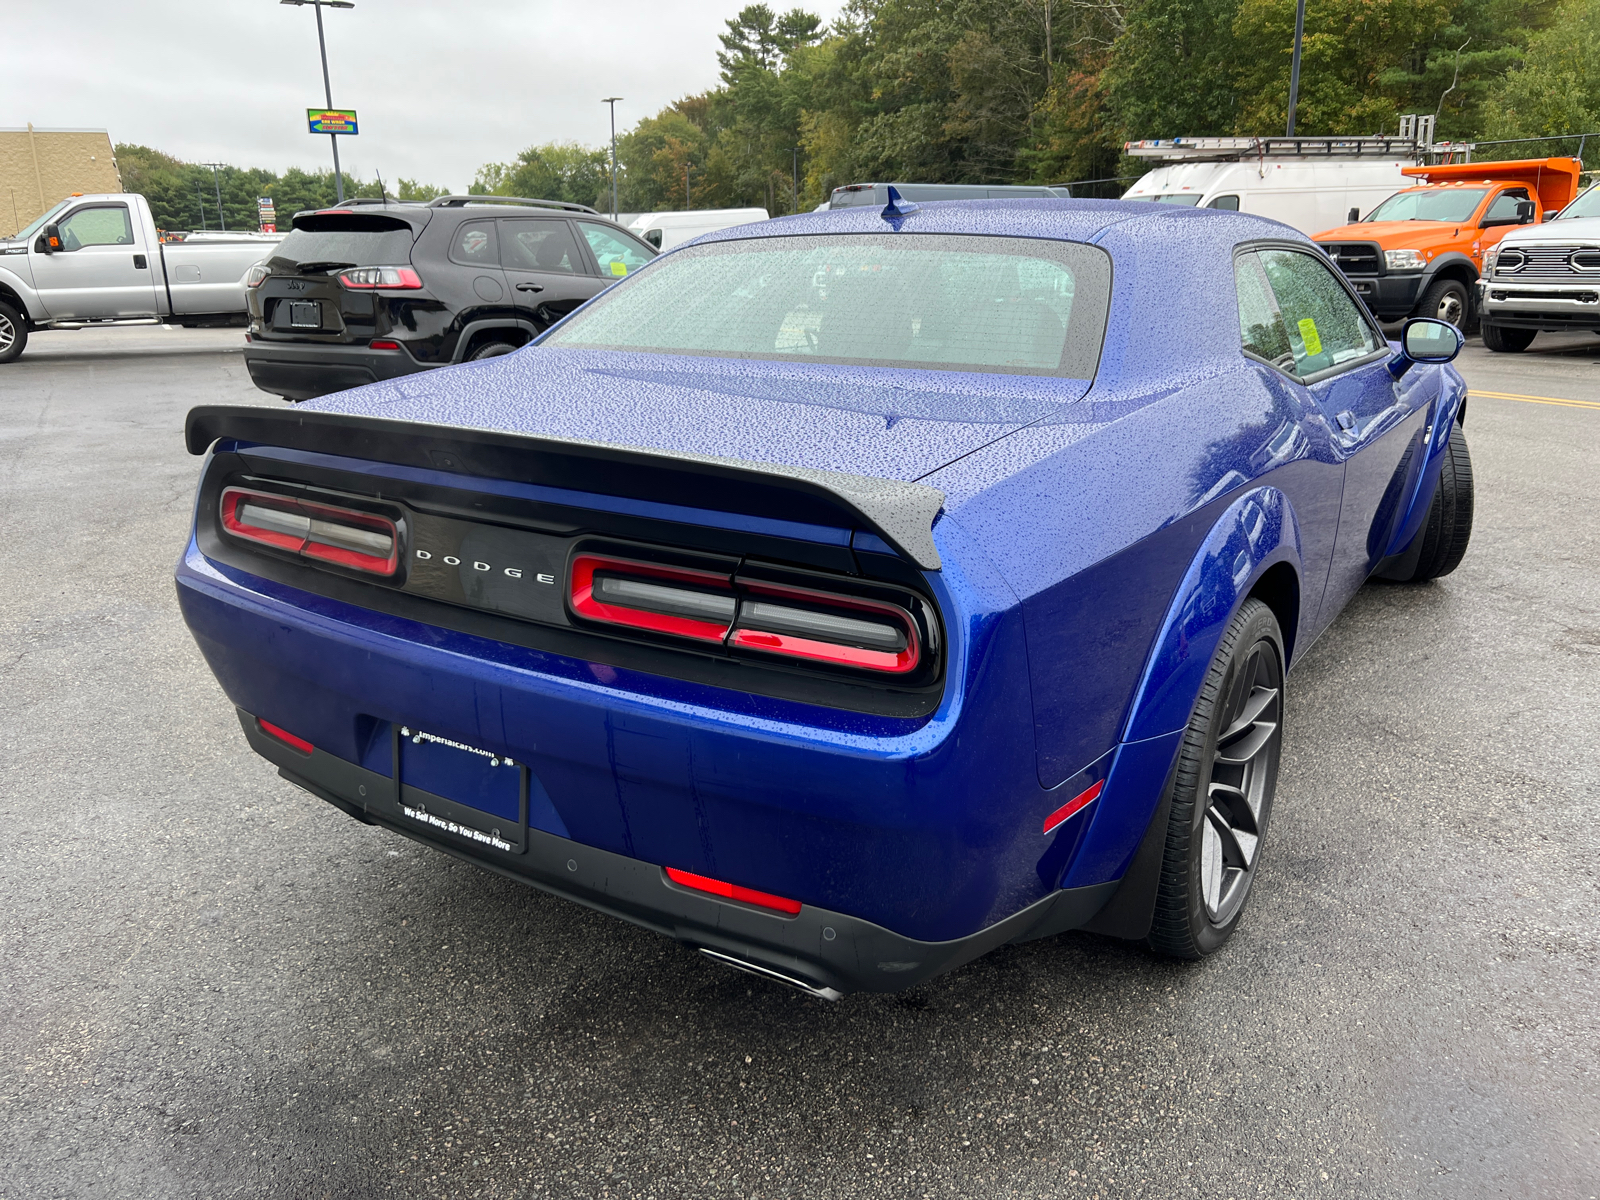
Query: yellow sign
{"points": [[1309, 335], [618, 267]]}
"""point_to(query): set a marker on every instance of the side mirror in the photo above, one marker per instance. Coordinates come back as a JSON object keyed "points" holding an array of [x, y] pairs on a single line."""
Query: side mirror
{"points": [[1354, 216], [1426, 340], [1525, 211], [50, 240], [1552, 214]]}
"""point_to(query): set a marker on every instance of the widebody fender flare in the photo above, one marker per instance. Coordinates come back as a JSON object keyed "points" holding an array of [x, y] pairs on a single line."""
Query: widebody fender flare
{"points": [[1252, 535]]}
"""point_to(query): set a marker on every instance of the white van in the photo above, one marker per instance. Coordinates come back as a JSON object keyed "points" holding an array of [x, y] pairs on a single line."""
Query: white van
{"points": [[1310, 183], [664, 230]]}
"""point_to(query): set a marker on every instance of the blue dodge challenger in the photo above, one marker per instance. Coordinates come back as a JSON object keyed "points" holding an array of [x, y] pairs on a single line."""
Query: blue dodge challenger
{"points": [[850, 594]]}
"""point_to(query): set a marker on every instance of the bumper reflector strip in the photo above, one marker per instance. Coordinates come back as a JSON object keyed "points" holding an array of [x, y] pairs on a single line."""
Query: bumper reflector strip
{"points": [[732, 891], [284, 736], [1080, 801]]}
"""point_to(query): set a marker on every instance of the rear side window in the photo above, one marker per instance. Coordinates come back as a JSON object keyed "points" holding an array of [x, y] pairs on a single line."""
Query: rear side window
{"points": [[475, 245], [616, 255], [1002, 305], [346, 240], [1260, 324], [539, 244]]}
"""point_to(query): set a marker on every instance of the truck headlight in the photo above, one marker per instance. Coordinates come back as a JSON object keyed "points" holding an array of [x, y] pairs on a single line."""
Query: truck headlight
{"points": [[1404, 260], [1490, 257]]}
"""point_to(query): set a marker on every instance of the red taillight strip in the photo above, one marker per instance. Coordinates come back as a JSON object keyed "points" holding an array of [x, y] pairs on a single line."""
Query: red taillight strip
{"points": [[284, 736], [586, 604], [362, 541], [1080, 801], [382, 279], [844, 656], [732, 891]]}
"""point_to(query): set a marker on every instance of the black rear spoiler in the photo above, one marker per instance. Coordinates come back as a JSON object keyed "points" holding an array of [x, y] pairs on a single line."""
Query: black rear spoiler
{"points": [[902, 514]]}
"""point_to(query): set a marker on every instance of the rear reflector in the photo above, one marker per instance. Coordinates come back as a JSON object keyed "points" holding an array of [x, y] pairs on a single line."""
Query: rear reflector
{"points": [[1080, 801], [732, 891], [361, 541], [797, 623], [381, 344], [386, 279], [284, 736]]}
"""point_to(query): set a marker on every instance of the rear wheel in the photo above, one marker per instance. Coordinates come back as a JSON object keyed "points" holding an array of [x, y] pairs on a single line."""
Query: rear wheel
{"points": [[13, 333], [490, 350], [1505, 340], [1449, 528], [1446, 300], [1222, 793]]}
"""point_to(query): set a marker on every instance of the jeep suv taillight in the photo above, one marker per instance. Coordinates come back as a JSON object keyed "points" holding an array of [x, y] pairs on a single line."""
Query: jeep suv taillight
{"points": [[746, 615], [257, 275], [385, 279], [341, 536]]}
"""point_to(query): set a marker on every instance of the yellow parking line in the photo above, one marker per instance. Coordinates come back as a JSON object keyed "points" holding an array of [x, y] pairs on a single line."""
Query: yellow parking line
{"points": [[1536, 399]]}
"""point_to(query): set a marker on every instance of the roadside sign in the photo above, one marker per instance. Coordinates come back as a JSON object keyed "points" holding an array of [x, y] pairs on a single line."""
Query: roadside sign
{"points": [[332, 120], [266, 214]]}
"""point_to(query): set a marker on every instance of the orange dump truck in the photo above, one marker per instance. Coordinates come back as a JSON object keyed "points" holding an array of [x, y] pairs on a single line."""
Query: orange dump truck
{"points": [[1420, 251]]}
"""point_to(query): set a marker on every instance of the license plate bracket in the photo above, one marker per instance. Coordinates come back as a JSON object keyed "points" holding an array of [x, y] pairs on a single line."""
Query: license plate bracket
{"points": [[458, 789], [305, 314]]}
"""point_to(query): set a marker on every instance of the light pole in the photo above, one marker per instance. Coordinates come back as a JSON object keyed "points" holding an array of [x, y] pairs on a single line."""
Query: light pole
{"points": [[327, 88], [221, 218], [796, 150], [1294, 65], [612, 101]]}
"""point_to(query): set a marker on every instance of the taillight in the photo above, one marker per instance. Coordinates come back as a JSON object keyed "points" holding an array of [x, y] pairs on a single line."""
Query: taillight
{"points": [[673, 600], [381, 278], [732, 891], [358, 540], [767, 619], [257, 275]]}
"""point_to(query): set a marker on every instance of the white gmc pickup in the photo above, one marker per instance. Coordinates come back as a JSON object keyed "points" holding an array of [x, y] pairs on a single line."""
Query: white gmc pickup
{"points": [[99, 260]]}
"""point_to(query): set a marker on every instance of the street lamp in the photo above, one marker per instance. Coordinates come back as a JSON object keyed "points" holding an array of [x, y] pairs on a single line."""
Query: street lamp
{"points": [[612, 101], [1294, 66], [327, 88]]}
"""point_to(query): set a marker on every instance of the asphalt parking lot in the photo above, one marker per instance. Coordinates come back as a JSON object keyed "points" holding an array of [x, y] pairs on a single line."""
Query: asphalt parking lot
{"points": [[212, 984]]}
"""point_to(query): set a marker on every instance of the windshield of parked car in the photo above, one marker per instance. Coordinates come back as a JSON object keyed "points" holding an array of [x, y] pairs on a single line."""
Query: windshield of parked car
{"points": [[346, 241], [1188, 199], [1586, 205], [1447, 204], [1004, 305], [24, 234]]}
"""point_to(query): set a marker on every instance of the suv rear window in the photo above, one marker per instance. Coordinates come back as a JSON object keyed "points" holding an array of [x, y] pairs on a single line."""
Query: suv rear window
{"points": [[350, 240], [949, 302]]}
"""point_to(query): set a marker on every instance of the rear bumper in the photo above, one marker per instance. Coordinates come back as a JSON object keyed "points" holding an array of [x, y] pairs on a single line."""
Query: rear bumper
{"points": [[824, 952], [304, 371], [1574, 305]]}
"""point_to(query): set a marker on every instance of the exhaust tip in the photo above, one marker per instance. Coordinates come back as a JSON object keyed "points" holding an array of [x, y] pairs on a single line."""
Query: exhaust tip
{"points": [[790, 981]]}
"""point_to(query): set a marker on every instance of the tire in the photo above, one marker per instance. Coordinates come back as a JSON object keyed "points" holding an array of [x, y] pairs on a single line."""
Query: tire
{"points": [[490, 350], [13, 334], [1505, 340], [1446, 300], [1226, 777], [1449, 527]]}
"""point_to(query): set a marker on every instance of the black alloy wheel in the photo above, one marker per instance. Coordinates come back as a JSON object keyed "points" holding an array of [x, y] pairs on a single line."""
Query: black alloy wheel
{"points": [[13, 333], [1223, 790], [490, 350]]}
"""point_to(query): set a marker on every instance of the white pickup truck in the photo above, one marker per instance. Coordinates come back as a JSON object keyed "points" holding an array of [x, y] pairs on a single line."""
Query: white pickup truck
{"points": [[99, 260]]}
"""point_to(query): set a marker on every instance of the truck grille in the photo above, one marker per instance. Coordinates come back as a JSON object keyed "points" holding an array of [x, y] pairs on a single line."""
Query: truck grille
{"points": [[1547, 262], [1356, 258]]}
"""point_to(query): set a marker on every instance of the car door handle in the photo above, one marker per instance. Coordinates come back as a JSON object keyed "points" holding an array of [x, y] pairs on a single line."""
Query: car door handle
{"points": [[1347, 420], [139, 263], [530, 287]]}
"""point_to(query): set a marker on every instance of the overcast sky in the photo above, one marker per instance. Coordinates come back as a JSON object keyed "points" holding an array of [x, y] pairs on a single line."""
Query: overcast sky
{"points": [[440, 88]]}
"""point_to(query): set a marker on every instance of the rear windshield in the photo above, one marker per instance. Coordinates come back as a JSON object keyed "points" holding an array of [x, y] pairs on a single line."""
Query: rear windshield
{"points": [[362, 242], [1450, 204], [1003, 305]]}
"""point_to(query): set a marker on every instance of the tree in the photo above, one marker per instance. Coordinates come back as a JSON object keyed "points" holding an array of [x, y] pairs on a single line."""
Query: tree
{"points": [[1555, 89]]}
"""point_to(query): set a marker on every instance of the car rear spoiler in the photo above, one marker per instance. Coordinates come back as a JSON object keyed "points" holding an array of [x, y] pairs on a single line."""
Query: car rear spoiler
{"points": [[900, 513]]}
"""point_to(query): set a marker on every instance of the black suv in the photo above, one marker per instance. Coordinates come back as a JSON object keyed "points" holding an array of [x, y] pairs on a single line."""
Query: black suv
{"points": [[369, 290]]}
